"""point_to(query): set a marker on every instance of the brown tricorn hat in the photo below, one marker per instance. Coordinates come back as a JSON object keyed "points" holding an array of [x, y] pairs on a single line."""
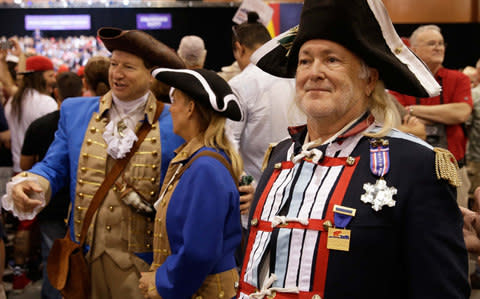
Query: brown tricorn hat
{"points": [[141, 44]]}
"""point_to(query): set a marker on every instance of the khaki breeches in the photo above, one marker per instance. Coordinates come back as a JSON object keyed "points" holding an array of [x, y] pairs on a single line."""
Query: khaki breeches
{"points": [[110, 281]]}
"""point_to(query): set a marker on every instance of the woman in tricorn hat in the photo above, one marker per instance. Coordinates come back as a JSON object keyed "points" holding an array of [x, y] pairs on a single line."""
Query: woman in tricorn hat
{"points": [[197, 225]]}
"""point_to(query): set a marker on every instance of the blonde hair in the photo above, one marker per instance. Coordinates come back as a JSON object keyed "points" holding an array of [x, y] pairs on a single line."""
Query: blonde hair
{"points": [[383, 109], [380, 104], [213, 134]]}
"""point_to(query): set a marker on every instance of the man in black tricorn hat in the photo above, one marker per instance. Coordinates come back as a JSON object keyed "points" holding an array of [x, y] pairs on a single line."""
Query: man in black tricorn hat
{"points": [[93, 134], [348, 207]]}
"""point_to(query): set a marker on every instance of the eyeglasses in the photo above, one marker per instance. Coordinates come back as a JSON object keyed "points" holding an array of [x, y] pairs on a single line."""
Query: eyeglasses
{"points": [[433, 44]]}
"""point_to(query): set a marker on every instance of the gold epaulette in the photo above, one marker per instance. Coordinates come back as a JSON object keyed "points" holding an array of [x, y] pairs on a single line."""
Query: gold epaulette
{"points": [[266, 157], [446, 166]]}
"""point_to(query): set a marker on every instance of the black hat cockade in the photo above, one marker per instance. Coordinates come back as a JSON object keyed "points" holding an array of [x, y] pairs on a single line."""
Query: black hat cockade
{"points": [[140, 44], [362, 26], [205, 87]]}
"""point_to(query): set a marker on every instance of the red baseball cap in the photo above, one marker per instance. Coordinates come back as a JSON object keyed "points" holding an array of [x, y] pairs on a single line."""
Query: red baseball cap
{"points": [[63, 68], [38, 64], [81, 71]]}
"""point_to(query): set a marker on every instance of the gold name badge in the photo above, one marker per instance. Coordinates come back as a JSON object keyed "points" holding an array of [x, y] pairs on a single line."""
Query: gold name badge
{"points": [[338, 239]]}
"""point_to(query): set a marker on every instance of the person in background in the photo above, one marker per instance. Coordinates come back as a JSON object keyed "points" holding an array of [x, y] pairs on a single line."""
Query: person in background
{"points": [[347, 207], [472, 74], [93, 133], [473, 144], [38, 137], [192, 51], [266, 100], [443, 115], [12, 61], [95, 78], [198, 219], [31, 101]]}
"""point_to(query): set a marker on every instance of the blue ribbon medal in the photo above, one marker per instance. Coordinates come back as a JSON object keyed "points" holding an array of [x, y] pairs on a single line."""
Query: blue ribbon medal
{"points": [[379, 194]]}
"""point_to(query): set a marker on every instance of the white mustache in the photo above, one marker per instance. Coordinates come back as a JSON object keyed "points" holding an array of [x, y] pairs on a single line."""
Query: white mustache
{"points": [[313, 86]]}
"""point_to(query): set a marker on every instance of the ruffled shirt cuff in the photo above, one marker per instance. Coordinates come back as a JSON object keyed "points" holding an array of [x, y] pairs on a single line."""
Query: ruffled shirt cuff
{"points": [[8, 203]]}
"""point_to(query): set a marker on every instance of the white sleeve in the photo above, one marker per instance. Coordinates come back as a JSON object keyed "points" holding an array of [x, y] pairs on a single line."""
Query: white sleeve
{"points": [[7, 201]]}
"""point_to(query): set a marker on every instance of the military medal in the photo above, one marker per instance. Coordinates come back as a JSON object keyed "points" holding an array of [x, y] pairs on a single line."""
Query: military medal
{"points": [[338, 238], [379, 194]]}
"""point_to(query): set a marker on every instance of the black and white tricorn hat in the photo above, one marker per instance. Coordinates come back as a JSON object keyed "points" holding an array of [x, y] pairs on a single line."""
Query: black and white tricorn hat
{"points": [[205, 87], [362, 26]]}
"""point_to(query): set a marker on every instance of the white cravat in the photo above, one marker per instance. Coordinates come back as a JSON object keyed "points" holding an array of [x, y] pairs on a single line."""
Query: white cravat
{"points": [[120, 131]]}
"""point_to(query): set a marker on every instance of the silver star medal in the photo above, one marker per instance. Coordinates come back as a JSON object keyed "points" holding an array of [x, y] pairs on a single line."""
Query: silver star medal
{"points": [[379, 195]]}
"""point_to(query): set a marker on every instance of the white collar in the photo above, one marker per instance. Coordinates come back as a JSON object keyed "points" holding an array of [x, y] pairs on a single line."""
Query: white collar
{"points": [[124, 107]]}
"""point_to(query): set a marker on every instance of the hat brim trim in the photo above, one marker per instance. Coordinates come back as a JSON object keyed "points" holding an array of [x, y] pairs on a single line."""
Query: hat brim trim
{"points": [[401, 51], [211, 94]]}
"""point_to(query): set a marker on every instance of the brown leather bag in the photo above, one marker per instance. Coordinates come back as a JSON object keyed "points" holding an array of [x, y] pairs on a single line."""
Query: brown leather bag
{"points": [[67, 268]]}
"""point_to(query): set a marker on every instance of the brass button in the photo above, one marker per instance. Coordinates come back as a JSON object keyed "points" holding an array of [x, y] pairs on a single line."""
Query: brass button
{"points": [[83, 169], [165, 251], [150, 108], [79, 208], [114, 188], [221, 294], [154, 139], [153, 180], [148, 245], [254, 222], [97, 118], [149, 232], [152, 193], [159, 220], [350, 160], [78, 235], [110, 208], [89, 141], [160, 236], [80, 181], [78, 221], [199, 297], [80, 195], [169, 187], [154, 153], [85, 155], [24, 174], [108, 227], [154, 166], [398, 50], [93, 129], [154, 126], [316, 297], [277, 165], [327, 224]]}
